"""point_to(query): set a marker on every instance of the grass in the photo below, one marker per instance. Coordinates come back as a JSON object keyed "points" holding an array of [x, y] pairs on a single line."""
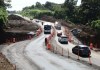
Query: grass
{"points": [[31, 13]]}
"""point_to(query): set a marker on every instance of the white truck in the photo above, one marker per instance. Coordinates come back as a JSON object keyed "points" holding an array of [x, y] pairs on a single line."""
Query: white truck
{"points": [[47, 29], [57, 25]]}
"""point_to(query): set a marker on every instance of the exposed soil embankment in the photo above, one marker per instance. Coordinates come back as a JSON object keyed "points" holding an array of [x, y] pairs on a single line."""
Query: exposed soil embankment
{"points": [[17, 27], [19, 24]]}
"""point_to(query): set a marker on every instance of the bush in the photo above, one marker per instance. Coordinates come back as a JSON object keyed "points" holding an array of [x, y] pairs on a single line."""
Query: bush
{"points": [[96, 25], [36, 13], [3, 18]]}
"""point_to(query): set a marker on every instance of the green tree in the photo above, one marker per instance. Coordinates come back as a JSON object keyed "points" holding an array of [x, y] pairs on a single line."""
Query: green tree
{"points": [[60, 14], [89, 11], [25, 8], [2, 3], [3, 13], [96, 25], [69, 6], [48, 5], [32, 6], [38, 5]]}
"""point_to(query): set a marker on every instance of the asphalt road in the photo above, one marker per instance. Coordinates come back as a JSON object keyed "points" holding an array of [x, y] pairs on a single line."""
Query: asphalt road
{"points": [[94, 55], [32, 55]]}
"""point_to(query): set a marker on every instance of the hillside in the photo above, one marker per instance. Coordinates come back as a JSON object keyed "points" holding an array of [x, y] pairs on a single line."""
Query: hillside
{"points": [[17, 27], [16, 23]]}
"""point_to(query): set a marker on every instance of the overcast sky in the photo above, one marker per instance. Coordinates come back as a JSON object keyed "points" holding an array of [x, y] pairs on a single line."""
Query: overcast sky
{"points": [[19, 4]]}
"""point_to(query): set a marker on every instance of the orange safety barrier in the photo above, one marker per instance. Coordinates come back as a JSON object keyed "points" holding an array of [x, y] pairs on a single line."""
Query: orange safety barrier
{"points": [[90, 59], [91, 46], [48, 38], [52, 35], [8, 41], [14, 40], [48, 46], [95, 45], [40, 30], [69, 38], [37, 34], [30, 37]]}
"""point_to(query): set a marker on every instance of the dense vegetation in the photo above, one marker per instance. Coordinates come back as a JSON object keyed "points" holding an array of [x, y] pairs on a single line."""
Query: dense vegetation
{"points": [[39, 10], [3, 17], [86, 13], [36, 13], [3, 13]]}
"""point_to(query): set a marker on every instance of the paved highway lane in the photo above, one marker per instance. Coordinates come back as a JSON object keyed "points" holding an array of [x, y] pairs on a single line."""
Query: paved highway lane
{"points": [[95, 57], [15, 54], [32, 55], [46, 60]]}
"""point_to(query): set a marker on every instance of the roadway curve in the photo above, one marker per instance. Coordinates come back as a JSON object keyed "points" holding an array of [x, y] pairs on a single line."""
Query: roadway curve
{"points": [[15, 54], [32, 55]]}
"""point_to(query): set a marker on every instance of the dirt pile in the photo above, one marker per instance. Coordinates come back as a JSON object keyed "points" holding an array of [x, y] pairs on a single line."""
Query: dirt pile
{"points": [[5, 64], [17, 23], [17, 27]]}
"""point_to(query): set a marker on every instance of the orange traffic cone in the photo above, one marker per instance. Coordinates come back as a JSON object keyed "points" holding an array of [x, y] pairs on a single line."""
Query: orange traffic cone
{"points": [[48, 46]]}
